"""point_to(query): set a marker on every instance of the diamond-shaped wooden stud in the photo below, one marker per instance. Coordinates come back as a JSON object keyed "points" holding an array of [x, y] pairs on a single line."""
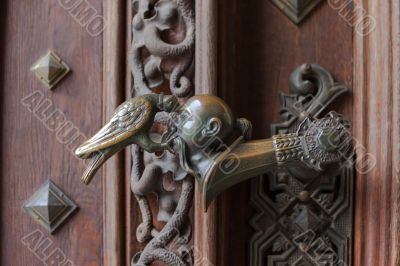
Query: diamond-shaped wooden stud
{"points": [[296, 10], [50, 69], [49, 206]]}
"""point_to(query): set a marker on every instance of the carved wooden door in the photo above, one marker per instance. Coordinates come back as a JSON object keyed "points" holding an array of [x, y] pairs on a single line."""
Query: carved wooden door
{"points": [[66, 66]]}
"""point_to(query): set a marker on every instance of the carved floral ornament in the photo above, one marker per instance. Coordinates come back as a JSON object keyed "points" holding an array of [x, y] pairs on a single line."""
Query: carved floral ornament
{"points": [[162, 51], [152, 25]]}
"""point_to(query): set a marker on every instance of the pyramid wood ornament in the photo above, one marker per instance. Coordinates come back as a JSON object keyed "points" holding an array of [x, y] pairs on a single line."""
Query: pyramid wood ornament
{"points": [[49, 206], [296, 10], [50, 69]]}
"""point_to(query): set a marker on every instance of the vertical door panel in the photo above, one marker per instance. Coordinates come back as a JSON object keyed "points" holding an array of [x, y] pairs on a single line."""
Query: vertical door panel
{"points": [[35, 144]]}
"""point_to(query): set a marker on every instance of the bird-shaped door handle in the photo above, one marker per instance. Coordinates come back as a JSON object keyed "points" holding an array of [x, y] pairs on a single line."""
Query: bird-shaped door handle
{"points": [[130, 124], [213, 145]]}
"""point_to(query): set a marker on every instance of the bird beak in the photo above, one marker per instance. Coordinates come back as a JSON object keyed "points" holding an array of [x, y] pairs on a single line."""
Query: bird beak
{"points": [[96, 159]]}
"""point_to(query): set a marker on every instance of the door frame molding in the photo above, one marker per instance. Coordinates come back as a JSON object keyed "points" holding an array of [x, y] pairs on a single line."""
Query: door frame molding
{"points": [[206, 237], [377, 128], [114, 68]]}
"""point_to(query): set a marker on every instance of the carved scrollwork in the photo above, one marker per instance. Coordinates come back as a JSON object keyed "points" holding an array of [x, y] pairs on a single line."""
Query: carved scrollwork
{"points": [[161, 56], [312, 89]]}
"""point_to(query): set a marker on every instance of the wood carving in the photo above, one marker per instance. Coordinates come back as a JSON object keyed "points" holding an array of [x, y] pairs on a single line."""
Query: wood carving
{"points": [[162, 56]]}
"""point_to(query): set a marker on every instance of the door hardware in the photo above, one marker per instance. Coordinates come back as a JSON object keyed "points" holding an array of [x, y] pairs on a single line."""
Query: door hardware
{"points": [[214, 146], [50, 69], [303, 201], [129, 125], [49, 206], [296, 10], [316, 146]]}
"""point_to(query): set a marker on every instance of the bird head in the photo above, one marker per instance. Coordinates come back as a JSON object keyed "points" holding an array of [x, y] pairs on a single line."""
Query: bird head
{"points": [[99, 148], [96, 156]]}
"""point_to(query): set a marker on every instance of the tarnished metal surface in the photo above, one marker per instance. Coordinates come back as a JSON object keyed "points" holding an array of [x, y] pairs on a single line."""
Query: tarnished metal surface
{"points": [[302, 151], [49, 206], [304, 216], [130, 124], [50, 69], [296, 10]]}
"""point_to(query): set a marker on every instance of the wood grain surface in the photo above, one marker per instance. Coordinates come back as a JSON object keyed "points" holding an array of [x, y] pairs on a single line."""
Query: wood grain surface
{"points": [[377, 129], [206, 237], [113, 94], [30, 152]]}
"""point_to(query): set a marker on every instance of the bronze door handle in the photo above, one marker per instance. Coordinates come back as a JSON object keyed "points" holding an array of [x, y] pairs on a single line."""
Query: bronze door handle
{"points": [[317, 145], [215, 147]]}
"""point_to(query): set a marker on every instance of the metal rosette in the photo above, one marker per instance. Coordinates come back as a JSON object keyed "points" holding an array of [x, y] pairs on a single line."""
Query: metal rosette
{"points": [[325, 141]]}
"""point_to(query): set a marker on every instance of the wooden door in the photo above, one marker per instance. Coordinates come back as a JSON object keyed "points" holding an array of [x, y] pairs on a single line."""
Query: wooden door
{"points": [[241, 51]]}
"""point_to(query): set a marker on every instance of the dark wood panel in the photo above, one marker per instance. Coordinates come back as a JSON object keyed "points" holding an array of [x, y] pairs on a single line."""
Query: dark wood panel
{"points": [[258, 49], [377, 131], [30, 152]]}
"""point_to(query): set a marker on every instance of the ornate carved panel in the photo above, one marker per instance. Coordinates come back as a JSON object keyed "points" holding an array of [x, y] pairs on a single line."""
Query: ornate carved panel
{"points": [[303, 217], [162, 61], [296, 10]]}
